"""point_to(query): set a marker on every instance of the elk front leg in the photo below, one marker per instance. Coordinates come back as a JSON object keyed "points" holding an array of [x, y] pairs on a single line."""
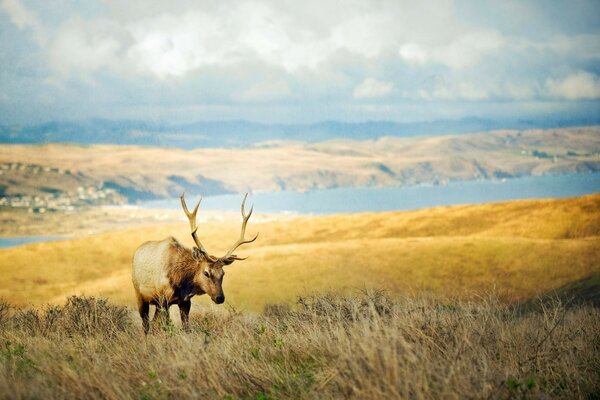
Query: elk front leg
{"points": [[144, 309], [184, 311], [162, 312]]}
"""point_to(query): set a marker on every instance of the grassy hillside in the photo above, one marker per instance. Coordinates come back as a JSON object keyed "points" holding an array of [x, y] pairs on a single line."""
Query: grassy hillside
{"points": [[515, 249], [145, 172]]}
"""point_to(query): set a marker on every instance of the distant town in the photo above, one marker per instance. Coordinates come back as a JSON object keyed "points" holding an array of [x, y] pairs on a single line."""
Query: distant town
{"points": [[51, 197], [64, 201]]}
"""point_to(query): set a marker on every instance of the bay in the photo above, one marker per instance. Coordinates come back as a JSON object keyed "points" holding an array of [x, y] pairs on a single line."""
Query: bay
{"points": [[349, 200]]}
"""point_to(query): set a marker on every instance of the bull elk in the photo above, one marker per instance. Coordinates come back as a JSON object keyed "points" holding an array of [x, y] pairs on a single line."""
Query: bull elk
{"points": [[166, 273]]}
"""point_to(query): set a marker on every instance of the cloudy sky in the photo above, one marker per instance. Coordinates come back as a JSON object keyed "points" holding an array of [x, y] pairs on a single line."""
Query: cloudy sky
{"points": [[280, 61]]}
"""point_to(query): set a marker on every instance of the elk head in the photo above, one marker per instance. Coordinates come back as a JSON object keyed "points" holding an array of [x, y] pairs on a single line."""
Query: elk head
{"points": [[209, 275]]}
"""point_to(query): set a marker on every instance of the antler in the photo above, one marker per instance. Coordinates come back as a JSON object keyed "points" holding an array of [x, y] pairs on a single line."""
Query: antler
{"points": [[241, 240], [192, 218]]}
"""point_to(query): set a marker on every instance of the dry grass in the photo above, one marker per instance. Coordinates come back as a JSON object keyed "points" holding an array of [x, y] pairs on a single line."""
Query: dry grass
{"points": [[365, 345], [80, 222], [85, 221], [516, 249]]}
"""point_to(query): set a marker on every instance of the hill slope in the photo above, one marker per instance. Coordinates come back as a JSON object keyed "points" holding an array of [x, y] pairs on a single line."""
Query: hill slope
{"points": [[151, 172], [517, 249]]}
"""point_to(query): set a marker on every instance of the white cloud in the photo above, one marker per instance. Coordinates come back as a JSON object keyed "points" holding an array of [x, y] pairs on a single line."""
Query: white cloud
{"points": [[469, 91], [172, 46], [80, 47], [462, 90], [464, 51], [520, 91], [172, 42], [372, 88], [580, 85], [23, 18], [367, 35], [586, 46], [266, 91], [414, 54], [168, 42]]}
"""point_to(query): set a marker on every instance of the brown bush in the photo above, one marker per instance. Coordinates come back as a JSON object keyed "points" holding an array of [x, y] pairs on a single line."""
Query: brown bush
{"points": [[80, 316], [368, 304], [4, 313], [89, 316]]}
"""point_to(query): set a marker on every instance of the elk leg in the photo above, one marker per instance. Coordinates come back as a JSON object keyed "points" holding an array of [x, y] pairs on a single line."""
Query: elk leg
{"points": [[184, 311], [144, 309], [162, 312], [157, 312], [167, 315]]}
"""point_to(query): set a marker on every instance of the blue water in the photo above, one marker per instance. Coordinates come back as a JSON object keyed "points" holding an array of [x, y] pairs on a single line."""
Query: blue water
{"points": [[349, 200], [17, 241]]}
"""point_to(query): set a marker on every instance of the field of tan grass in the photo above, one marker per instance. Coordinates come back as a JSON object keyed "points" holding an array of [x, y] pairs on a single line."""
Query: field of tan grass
{"points": [[515, 249], [362, 346]]}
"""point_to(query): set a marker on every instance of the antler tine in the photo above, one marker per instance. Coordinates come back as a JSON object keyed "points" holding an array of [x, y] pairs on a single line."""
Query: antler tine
{"points": [[242, 240], [192, 218], [244, 204], [191, 215]]}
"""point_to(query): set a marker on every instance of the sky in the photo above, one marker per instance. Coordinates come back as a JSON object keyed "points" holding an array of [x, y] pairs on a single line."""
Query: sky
{"points": [[298, 62]]}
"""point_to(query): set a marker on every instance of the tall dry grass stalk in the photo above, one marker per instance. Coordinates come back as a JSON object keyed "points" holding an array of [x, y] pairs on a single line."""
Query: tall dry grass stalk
{"points": [[366, 345]]}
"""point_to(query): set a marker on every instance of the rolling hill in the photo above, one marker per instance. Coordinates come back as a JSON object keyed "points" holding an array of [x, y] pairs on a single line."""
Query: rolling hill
{"points": [[515, 249], [141, 173]]}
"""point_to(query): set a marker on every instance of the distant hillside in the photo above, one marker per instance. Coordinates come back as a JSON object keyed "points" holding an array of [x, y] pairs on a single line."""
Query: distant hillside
{"points": [[244, 133], [140, 173], [514, 249]]}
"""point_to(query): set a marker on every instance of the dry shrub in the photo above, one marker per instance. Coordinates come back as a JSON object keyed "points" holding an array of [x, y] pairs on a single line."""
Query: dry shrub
{"points": [[276, 311], [211, 324], [89, 316], [27, 322], [80, 316], [368, 304], [4, 313]]}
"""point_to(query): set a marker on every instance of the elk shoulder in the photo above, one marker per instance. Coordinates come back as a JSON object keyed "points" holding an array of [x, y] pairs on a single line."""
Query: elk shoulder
{"points": [[159, 267]]}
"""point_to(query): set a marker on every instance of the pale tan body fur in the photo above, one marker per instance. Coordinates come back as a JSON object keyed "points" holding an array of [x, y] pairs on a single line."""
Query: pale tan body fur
{"points": [[150, 270]]}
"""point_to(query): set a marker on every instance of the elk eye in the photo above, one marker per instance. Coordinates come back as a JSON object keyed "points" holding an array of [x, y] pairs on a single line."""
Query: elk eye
{"points": [[206, 274]]}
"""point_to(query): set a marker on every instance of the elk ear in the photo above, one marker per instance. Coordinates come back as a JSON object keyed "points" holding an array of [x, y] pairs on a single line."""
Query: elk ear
{"points": [[232, 258], [228, 260], [197, 254]]}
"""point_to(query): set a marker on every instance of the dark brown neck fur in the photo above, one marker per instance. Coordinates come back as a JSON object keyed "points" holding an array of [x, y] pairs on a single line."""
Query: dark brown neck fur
{"points": [[182, 266]]}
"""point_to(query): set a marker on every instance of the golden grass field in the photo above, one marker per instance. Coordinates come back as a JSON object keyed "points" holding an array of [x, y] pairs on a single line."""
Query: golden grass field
{"points": [[442, 328], [516, 250]]}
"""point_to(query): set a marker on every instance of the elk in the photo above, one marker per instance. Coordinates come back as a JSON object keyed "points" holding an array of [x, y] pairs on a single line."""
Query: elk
{"points": [[166, 273]]}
